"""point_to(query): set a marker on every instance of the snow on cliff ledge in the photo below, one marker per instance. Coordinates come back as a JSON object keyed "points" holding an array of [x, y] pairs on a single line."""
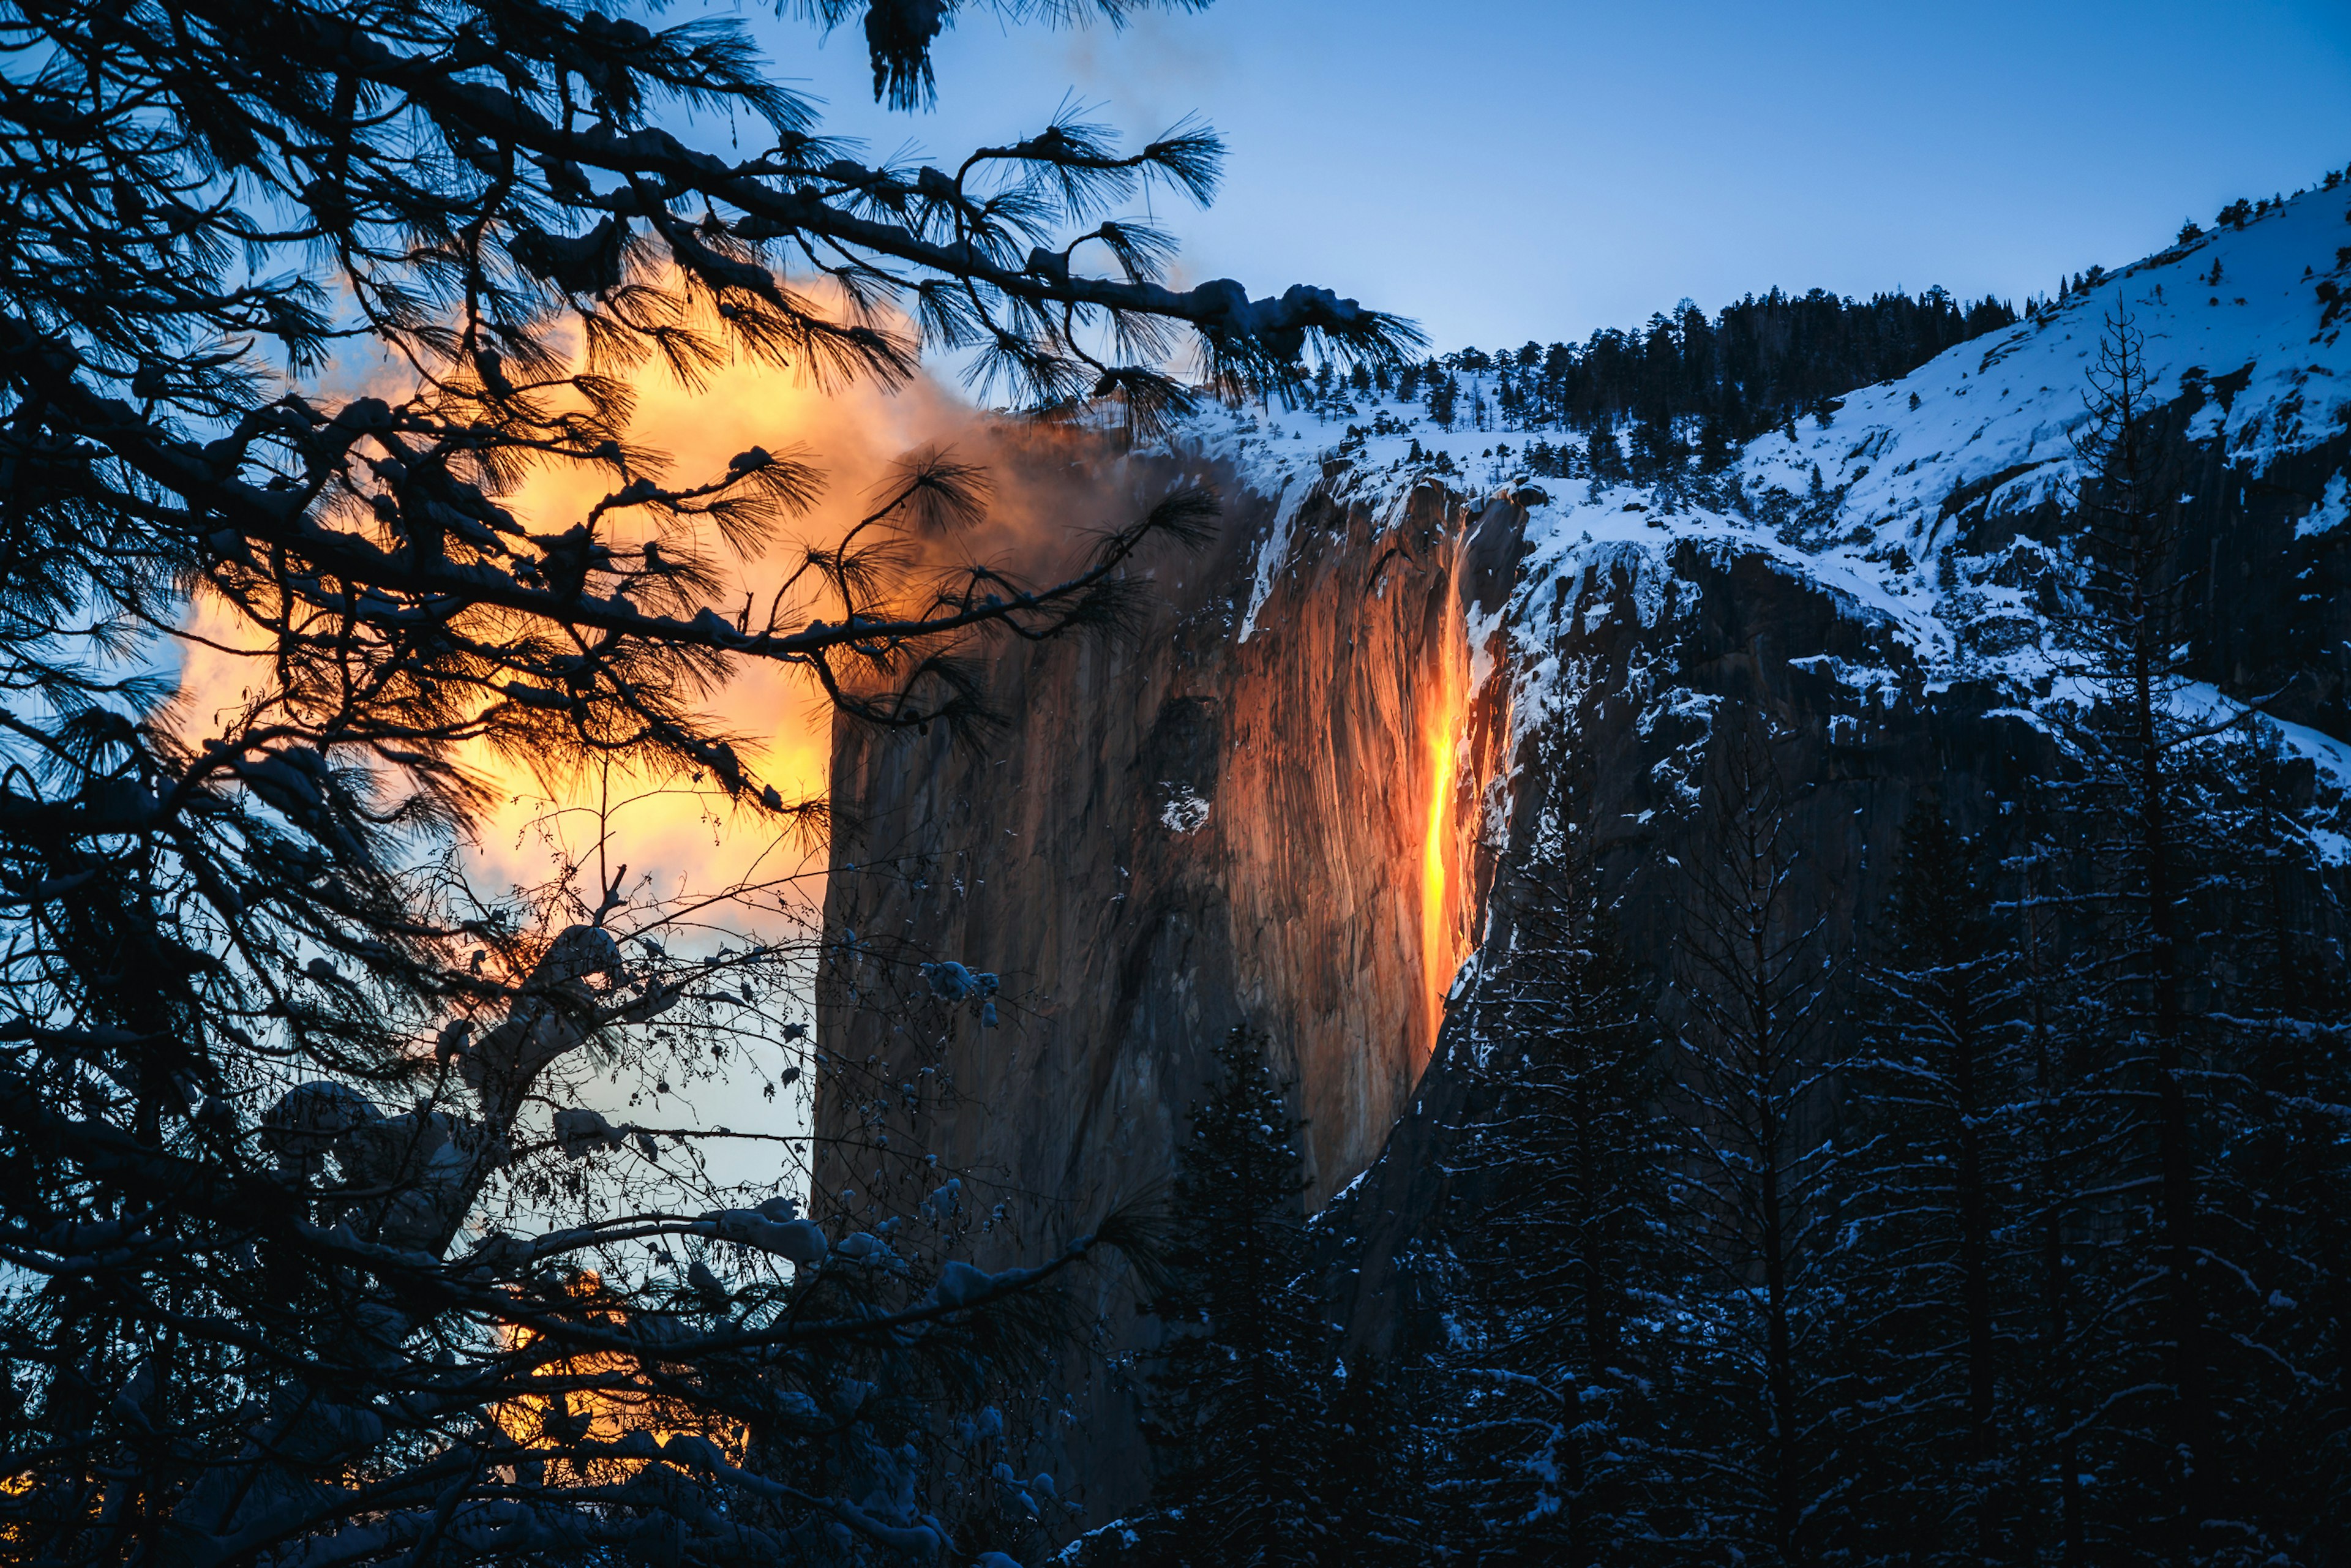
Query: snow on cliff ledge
{"points": [[2234, 318]]}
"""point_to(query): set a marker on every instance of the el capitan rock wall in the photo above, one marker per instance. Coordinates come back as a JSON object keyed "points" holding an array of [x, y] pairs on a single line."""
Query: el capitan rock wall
{"points": [[1174, 833]]}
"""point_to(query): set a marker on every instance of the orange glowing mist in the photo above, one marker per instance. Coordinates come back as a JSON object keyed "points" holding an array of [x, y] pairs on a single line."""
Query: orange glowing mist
{"points": [[695, 835], [676, 832], [720, 867]]}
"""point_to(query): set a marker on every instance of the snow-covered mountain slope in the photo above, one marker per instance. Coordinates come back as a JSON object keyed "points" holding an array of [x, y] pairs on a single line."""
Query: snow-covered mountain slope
{"points": [[1933, 508], [2232, 320]]}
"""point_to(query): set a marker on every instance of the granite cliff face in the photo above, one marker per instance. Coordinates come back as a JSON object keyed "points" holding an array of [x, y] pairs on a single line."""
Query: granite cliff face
{"points": [[1296, 799], [1193, 830], [1262, 809]]}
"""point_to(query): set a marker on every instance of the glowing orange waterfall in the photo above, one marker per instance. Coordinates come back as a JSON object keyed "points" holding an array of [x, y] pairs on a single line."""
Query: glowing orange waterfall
{"points": [[1443, 939]]}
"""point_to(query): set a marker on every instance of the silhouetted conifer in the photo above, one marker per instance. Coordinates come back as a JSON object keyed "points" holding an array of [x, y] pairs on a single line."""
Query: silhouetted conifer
{"points": [[1242, 1416], [1753, 1197], [1933, 1254], [1557, 1332]]}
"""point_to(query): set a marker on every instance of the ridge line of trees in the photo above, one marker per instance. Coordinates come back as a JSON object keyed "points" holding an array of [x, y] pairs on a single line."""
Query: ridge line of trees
{"points": [[1683, 386]]}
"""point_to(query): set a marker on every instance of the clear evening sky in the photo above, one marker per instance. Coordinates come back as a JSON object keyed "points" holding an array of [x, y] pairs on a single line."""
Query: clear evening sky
{"points": [[1504, 170]]}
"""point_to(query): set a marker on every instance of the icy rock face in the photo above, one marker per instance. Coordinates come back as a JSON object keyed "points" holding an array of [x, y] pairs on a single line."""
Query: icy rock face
{"points": [[1625, 654]]}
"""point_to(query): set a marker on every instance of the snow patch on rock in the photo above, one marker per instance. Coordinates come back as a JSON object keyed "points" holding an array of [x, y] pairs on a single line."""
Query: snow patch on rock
{"points": [[1186, 811]]}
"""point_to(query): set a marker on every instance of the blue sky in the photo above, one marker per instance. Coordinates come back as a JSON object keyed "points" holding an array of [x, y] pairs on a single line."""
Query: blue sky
{"points": [[1503, 170]]}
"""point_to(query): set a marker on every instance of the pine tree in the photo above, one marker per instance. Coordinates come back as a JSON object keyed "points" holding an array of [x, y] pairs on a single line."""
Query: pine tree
{"points": [[2127, 632], [1605, 457], [1509, 398], [2203, 1023], [2268, 1070], [1753, 1195], [1927, 1258], [2067, 1169], [1657, 447], [1241, 1414], [1718, 442], [1555, 1241], [2277, 1164], [1444, 397], [1380, 1464]]}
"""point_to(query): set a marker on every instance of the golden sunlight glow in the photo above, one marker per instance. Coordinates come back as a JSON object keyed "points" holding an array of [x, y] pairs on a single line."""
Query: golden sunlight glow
{"points": [[670, 829], [679, 834], [623, 1403]]}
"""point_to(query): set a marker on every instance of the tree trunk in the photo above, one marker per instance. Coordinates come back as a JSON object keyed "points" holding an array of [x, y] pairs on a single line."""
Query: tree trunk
{"points": [[2174, 1153], [1975, 1278], [1780, 1372]]}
